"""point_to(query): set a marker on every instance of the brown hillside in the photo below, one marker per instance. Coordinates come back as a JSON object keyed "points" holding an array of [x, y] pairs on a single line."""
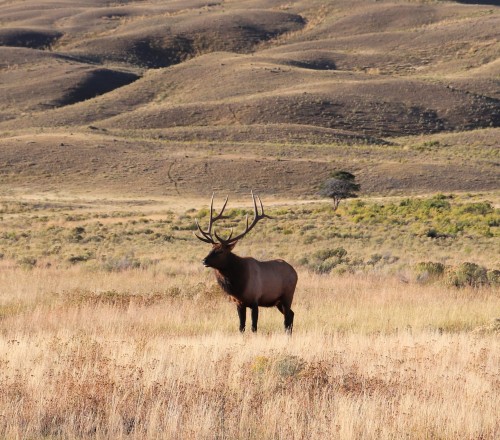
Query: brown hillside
{"points": [[157, 42], [271, 86], [53, 81]]}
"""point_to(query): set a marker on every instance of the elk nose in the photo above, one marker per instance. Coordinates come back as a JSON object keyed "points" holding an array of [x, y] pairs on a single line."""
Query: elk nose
{"points": [[204, 261]]}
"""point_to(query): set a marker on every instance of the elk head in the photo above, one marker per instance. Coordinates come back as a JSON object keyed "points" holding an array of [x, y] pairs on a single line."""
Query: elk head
{"points": [[218, 257]]}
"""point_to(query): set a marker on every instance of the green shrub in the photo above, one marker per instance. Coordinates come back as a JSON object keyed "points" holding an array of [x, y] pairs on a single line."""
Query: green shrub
{"points": [[76, 234], [431, 267], [481, 208], [73, 259], [238, 212], [260, 365], [374, 259], [468, 274], [27, 262], [289, 366], [202, 213], [308, 227], [493, 277], [429, 271], [343, 268], [325, 254], [437, 202], [324, 260], [126, 262], [325, 266], [309, 239]]}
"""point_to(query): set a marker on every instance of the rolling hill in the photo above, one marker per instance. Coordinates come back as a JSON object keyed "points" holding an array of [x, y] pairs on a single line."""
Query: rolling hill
{"points": [[179, 97]]}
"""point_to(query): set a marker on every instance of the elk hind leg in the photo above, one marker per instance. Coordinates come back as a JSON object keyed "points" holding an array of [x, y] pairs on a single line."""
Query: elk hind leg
{"points": [[255, 317], [288, 314], [289, 320]]}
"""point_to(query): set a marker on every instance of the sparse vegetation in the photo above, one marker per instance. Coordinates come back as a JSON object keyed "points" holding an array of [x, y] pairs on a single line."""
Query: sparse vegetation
{"points": [[362, 235], [283, 115]]}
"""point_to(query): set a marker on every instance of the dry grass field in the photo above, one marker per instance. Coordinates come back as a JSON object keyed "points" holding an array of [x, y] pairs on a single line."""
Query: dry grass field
{"points": [[366, 361], [110, 327], [117, 121]]}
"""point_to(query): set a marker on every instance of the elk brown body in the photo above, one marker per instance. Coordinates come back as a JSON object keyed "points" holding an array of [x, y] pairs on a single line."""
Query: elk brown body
{"points": [[249, 282]]}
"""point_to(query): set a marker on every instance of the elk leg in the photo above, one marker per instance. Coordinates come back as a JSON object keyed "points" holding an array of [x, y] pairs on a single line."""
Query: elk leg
{"points": [[289, 320], [279, 306], [282, 309], [288, 314], [242, 313], [255, 317]]}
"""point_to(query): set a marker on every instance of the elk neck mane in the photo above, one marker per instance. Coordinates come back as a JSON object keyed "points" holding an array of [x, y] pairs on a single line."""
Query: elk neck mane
{"points": [[233, 278]]}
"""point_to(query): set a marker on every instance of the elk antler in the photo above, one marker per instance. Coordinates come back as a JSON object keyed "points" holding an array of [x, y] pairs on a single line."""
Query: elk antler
{"points": [[248, 228], [207, 235]]}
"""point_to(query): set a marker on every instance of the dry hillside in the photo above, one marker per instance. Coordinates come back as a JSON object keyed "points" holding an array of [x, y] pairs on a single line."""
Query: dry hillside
{"points": [[174, 97]]}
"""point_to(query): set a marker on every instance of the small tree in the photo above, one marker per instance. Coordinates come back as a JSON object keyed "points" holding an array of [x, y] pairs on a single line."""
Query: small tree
{"points": [[341, 185]]}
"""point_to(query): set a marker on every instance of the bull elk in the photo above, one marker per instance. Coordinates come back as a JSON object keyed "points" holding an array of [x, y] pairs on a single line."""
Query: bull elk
{"points": [[249, 283]]}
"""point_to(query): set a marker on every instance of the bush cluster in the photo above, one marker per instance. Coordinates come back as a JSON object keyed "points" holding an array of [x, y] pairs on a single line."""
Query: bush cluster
{"points": [[464, 275], [435, 217], [324, 260], [429, 271], [327, 260]]}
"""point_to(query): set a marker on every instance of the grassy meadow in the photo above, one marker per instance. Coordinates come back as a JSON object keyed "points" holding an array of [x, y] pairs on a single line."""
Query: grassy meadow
{"points": [[110, 327]]}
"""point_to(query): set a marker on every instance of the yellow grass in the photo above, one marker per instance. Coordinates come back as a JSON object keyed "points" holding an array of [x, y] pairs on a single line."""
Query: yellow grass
{"points": [[156, 354]]}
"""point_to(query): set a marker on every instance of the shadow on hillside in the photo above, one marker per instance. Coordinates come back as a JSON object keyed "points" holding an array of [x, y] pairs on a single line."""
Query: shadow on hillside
{"points": [[97, 82], [32, 38], [483, 2]]}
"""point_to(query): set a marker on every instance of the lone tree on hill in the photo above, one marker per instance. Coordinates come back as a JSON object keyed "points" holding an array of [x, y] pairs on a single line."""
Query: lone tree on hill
{"points": [[341, 185]]}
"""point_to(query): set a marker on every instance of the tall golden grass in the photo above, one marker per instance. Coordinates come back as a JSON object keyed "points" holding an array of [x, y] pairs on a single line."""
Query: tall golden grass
{"points": [[155, 353], [110, 328]]}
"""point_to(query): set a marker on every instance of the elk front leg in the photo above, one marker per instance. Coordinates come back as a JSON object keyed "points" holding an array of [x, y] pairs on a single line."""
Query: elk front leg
{"points": [[242, 313], [255, 317], [289, 320]]}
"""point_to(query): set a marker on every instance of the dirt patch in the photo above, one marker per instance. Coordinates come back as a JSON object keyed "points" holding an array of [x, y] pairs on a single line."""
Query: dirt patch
{"points": [[265, 133]]}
